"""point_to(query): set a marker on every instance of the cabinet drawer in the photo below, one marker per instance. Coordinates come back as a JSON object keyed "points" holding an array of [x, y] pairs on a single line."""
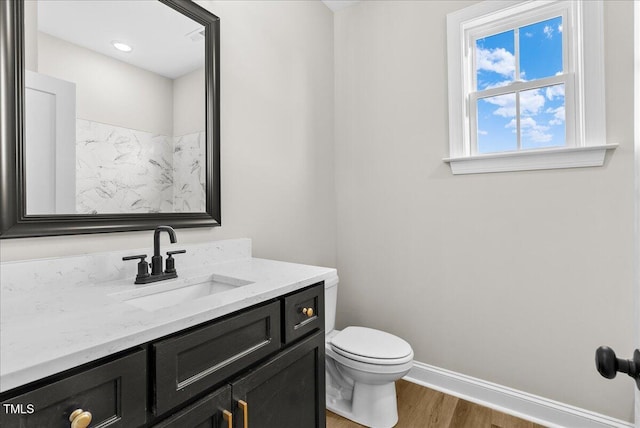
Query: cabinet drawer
{"points": [[207, 412], [303, 312], [114, 393], [193, 362]]}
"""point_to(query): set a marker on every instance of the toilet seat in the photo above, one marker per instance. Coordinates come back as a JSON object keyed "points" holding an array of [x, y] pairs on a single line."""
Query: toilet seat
{"points": [[370, 346]]}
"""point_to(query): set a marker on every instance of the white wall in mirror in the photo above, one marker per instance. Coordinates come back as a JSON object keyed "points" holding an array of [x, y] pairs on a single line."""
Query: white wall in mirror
{"points": [[109, 91]]}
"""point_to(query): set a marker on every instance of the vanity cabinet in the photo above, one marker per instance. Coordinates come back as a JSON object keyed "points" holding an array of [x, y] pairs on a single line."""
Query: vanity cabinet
{"points": [[114, 392], [303, 313], [285, 392], [209, 412], [189, 363], [262, 366]]}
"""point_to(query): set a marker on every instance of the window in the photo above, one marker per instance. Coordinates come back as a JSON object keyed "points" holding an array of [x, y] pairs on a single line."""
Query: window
{"points": [[526, 86]]}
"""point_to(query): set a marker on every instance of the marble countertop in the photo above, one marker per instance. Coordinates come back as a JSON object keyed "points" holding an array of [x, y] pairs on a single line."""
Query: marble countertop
{"points": [[56, 319]]}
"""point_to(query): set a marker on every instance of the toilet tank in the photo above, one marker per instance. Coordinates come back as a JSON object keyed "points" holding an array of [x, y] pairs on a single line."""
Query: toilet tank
{"points": [[330, 301]]}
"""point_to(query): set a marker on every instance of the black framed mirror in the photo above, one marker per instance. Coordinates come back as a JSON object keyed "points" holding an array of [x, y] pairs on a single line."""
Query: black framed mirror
{"points": [[108, 173]]}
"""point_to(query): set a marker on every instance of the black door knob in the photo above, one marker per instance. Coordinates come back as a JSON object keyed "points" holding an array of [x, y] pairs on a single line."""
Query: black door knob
{"points": [[606, 362], [609, 365]]}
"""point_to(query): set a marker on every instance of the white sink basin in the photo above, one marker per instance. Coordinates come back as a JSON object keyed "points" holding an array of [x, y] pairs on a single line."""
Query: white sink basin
{"points": [[178, 291]]}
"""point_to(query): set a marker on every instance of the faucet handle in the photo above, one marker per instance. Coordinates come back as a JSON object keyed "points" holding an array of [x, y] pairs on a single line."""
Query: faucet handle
{"points": [[143, 266], [139, 256], [170, 262], [170, 253]]}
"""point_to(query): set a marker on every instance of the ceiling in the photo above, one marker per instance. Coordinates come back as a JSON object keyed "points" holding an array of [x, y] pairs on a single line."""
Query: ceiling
{"points": [[158, 34], [336, 5]]}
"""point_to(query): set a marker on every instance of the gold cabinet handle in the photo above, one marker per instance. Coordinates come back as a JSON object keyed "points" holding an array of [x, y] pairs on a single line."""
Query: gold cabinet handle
{"points": [[228, 417], [245, 412], [80, 419], [308, 312]]}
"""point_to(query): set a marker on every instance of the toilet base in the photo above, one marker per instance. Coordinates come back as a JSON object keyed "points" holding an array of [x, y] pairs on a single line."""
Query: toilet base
{"points": [[374, 406]]}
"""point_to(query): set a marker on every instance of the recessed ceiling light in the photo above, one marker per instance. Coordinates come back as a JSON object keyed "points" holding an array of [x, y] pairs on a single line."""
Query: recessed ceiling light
{"points": [[123, 47]]}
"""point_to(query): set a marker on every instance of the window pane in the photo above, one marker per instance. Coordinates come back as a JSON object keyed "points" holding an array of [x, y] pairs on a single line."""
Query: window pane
{"points": [[542, 122], [496, 124], [495, 60], [541, 49]]}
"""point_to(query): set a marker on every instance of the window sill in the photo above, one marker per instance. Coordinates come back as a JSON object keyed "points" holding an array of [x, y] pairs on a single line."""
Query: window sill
{"points": [[573, 157]]}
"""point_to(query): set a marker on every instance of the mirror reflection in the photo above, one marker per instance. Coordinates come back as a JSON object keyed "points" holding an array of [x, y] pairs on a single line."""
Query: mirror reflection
{"points": [[114, 108]]}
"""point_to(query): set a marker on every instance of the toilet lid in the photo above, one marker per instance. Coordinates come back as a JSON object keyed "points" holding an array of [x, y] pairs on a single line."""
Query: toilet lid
{"points": [[371, 344]]}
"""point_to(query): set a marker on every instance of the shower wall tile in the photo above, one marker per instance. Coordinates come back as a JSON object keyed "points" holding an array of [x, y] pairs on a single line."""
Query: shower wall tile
{"points": [[121, 170], [189, 173]]}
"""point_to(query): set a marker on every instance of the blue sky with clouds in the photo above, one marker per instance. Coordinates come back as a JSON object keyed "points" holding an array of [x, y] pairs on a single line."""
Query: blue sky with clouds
{"points": [[542, 119]]}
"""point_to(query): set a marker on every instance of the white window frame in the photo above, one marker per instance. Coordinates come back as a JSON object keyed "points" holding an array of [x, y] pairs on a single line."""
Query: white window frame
{"points": [[583, 77]]}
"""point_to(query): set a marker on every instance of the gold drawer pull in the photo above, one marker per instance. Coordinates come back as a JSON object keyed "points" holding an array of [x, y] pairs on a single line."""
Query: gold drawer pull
{"points": [[80, 419], [228, 417], [308, 312], [245, 412]]}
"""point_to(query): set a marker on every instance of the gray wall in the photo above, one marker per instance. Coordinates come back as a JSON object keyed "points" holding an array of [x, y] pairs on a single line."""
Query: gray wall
{"points": [[277, 140], [514, 278]]}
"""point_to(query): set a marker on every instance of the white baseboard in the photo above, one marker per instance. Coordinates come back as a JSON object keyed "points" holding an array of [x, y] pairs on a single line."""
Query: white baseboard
{"points": [[507, 400]]}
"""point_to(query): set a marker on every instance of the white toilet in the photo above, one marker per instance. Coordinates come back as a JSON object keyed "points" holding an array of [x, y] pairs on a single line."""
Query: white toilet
{"points": [[362, 365]]}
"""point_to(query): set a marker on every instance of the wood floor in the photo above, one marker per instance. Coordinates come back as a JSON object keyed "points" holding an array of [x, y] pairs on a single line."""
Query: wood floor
{"points": [[420, 407]]}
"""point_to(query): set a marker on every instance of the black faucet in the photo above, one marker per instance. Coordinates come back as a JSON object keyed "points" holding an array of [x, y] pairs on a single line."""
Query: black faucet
{"points": [[156, 260], [157, 274]]}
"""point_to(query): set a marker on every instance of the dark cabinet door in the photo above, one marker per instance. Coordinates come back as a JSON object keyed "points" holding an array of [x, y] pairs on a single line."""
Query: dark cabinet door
{"points": [[213, 411], [288, 391], [114, 393]]}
